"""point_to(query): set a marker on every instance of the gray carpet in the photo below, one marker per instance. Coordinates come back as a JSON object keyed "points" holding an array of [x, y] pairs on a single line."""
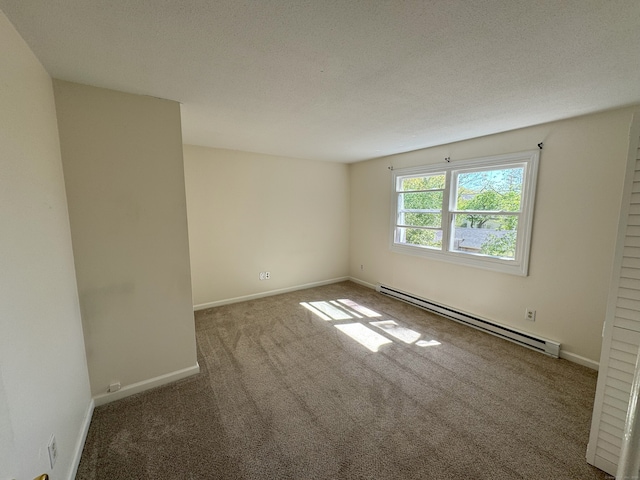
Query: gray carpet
{"points": [[285, 394]]}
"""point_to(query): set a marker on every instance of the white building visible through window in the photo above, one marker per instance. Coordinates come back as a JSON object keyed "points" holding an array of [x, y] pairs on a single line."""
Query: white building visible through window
{"points": [[475, 212]]}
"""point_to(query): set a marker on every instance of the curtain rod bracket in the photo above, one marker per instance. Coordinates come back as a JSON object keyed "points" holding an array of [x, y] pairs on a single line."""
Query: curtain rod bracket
{"points": [[540, 145], [447, 159]]}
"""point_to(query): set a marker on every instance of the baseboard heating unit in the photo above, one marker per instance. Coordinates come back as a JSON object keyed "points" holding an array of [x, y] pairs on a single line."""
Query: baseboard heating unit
{"points": [[543, 345]]}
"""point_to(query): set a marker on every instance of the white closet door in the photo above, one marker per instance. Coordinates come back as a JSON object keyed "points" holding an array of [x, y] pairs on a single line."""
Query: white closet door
{"points": [[621, 337]]}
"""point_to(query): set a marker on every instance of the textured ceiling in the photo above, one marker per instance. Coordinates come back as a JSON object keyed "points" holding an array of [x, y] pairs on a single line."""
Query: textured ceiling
{"points": [[345, 80]]}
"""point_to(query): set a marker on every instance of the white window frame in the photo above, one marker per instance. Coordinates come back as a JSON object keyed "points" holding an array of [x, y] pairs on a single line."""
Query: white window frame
{"points": [[516, 266]]}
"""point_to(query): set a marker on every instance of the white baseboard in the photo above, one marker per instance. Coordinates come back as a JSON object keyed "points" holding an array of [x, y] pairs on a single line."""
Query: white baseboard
{"points": [[269, 293], [134, 388], [580, 360], [363, 283], [81, 440], [572, 357]]}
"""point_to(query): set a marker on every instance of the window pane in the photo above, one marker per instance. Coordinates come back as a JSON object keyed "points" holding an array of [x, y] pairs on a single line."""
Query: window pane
{"points": [[425, 182], [497, 190], [420, 201], [493, 235], [420, 237], [420, 219]]}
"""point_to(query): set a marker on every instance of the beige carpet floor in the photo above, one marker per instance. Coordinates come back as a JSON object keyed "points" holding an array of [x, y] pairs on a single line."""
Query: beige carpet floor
{"points": [[297, 387]]}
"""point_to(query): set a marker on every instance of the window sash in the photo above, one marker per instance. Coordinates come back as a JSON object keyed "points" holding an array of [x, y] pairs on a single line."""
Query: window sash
{"points": [[402, 228]]}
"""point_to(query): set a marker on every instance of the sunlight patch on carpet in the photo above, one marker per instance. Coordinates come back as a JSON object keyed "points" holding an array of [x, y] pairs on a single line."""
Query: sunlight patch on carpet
{"points": [[345, 309], [364, 335]]}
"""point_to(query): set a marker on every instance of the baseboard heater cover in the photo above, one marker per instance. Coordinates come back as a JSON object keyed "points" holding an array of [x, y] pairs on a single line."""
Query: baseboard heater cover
{"points": [[528, 340]]}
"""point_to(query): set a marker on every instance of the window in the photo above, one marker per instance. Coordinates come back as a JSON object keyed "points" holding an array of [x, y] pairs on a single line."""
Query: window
{"points": [[474, 212]]}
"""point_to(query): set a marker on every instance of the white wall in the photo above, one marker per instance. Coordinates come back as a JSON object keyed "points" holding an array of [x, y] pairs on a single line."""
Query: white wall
{"points": [[574, 231], [250, 213], [122, 157], [44, 386]]}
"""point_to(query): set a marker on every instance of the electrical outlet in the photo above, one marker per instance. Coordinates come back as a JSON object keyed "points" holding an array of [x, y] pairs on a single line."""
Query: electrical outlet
{"points": [[267, 275], [530, 315], [53, 450]]}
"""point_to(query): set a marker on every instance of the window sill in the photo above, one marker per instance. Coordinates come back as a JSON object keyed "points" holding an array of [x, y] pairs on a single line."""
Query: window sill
{"points": [[511, 267]]}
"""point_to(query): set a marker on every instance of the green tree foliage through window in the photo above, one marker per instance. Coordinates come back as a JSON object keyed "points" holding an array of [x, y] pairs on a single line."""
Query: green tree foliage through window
{"points": [[500, 246]]}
